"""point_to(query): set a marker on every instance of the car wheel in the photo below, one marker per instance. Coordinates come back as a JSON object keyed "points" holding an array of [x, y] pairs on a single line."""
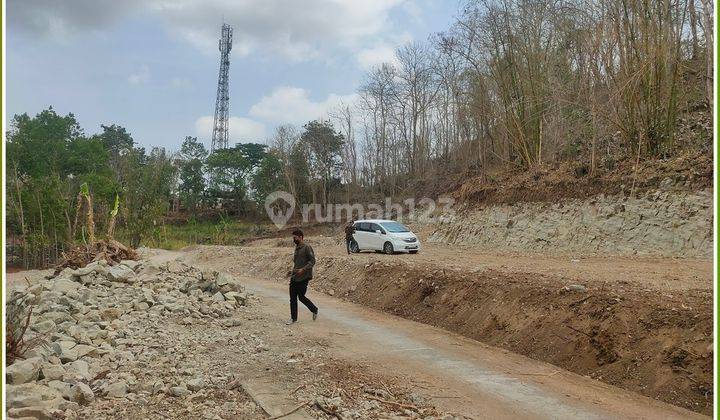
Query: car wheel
{"points": [[354, 248], [388, 248], [413, 252]]}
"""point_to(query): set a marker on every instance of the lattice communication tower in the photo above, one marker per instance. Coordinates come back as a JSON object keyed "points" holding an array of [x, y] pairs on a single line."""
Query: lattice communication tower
{"points": [[222, 102]]}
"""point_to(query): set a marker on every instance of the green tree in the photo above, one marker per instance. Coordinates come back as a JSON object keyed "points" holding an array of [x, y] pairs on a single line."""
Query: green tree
{"points": [[89, 161], [39, 145], [48, 159], [119, 144], [254, 153], [147, 193], [192, 179], [300, 169], [324, 147], [191, 149], [268, 178], [116, 139], [229, 170]]}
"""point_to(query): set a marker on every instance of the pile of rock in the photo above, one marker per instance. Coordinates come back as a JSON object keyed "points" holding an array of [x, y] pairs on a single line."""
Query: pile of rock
{"points": [[100, 318], [221, 286]]}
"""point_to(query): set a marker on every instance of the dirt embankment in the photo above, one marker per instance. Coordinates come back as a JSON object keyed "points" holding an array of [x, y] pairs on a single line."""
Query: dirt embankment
{"points": [[655, 342], [576, 180]]}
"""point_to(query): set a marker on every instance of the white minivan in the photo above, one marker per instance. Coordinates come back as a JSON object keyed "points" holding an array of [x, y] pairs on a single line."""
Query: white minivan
{"points": [[387, 236]]}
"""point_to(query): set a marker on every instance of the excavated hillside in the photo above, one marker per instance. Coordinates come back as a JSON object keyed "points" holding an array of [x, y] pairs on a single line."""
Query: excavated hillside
{"points": [[606, 275]]}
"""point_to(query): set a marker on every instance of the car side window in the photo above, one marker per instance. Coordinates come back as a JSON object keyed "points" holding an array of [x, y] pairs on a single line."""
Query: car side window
{"points": [[363, 227], [374, 227]]}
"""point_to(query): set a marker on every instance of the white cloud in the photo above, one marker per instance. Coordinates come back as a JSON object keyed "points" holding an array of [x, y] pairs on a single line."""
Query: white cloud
{"points": [[293, 105], [383, 52], [241, 129], [141, 76], [373, 57], [60, 20], [299, 30]]}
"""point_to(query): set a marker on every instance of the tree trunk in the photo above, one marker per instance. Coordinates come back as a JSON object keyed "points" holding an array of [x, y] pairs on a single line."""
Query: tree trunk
{"points": [[90, 219], [709, 50]]}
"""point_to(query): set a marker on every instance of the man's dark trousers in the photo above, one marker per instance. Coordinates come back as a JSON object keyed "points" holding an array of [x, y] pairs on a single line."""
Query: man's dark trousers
{"points": [[297, 291], [348, 241]]}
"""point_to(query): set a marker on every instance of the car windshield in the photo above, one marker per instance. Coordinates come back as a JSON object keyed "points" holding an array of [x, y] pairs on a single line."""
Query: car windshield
{"points": [[395, 227]]}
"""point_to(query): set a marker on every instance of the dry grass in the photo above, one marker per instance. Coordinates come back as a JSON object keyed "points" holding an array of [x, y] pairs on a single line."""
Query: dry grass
{"points": [[19, 312]]}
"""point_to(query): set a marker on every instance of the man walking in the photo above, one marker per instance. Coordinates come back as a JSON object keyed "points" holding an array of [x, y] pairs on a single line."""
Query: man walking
{"points": [[303, 262], [349, 231]]}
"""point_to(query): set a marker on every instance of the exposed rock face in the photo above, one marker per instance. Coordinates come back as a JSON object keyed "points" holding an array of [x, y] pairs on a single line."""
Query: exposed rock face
{"points": [[659, 224]]}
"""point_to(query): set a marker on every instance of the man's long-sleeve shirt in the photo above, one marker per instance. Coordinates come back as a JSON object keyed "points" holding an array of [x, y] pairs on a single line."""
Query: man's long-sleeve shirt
{"points": [[304, 258]]}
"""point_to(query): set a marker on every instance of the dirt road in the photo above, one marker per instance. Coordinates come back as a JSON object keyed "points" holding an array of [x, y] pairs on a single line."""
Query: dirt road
{"points": [[459, 375]]}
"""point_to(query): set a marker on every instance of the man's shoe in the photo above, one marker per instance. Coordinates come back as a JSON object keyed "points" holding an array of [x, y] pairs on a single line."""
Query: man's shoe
{"points": [[290, 322], [315, 314]]}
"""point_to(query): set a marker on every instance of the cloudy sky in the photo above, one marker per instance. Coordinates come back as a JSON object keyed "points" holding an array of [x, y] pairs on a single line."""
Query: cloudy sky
{"points": [[152, 65]]}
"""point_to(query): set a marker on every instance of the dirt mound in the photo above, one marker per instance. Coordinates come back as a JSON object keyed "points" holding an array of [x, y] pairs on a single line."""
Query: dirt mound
{"points": [[287, 241], [283, 237], [648, 341], [546, 183]]}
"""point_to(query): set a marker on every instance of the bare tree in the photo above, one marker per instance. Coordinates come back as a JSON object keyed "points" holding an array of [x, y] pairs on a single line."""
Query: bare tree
{"points": [[283, 143], [522, 83], [343, 116]]}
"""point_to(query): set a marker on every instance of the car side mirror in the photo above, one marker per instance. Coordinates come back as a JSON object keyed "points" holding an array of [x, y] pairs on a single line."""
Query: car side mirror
{"points": [[379, 231]]}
